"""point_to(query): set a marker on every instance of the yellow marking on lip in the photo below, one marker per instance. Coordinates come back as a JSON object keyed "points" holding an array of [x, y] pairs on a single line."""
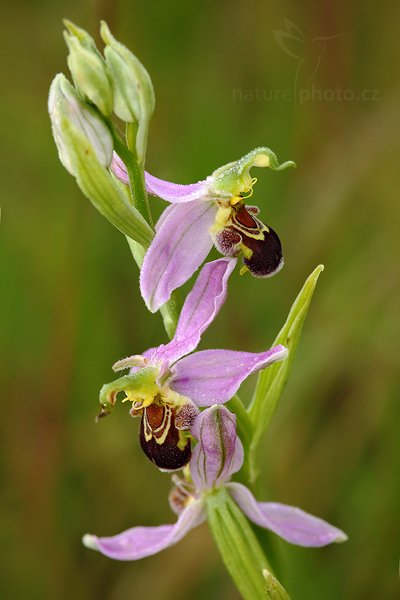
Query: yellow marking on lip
{"points": [[183, 440], [247, 253], [222, 218]]}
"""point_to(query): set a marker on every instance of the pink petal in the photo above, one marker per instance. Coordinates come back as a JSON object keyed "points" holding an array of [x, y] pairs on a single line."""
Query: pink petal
{"points": [[219, 452], [200, 308], [164, 215], [175, 192], [119, 169], [139, 542], [214, 376], [290, 523], [179, 247]]}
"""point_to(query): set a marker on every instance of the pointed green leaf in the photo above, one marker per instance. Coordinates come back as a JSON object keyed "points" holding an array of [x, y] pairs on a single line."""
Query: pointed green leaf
{"points": [[271, 381], [274, 590]]}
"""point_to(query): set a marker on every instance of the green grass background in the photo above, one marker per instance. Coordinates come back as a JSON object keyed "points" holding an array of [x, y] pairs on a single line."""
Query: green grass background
{"points": [[70, 304]]}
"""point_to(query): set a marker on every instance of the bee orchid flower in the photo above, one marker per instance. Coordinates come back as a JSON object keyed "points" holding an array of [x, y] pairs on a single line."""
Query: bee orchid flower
{"points": [[166, 384], [216, 457], [210, 212]]}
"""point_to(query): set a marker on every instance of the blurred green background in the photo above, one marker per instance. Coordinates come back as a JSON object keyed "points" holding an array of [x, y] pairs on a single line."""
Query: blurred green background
{"points": [[70, 304]]}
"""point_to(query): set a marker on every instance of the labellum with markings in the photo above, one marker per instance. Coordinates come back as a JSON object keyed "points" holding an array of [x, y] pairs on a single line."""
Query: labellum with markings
{"points": [[238, 230], [163, 432]]}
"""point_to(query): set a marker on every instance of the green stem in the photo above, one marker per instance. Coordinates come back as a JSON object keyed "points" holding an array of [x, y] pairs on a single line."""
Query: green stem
{"points": [[136, 176], [170, 310], [244, 428]]}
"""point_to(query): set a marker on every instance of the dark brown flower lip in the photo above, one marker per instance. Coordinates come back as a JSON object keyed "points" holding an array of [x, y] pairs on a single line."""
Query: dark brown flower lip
{"points": [[260, 244], [266, 257], [162, 442]]}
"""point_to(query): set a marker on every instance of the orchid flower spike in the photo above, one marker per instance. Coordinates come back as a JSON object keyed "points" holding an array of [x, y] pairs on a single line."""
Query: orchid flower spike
{"points": [[216, 457], [209, 212], [166, 386]]}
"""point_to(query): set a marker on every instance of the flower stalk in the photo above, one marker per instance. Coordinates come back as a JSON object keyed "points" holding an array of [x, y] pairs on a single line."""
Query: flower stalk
{"points": [[136, 176], [239, 548]]}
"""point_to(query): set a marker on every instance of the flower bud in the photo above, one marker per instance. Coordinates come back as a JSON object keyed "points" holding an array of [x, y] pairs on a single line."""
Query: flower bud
{"points": [[133, 90], [67, 109], [88, 69], [84, 38], [85, 149]]}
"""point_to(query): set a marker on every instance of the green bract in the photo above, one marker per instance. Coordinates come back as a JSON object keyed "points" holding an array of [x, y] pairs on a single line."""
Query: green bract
{"points": [[272, 381]]}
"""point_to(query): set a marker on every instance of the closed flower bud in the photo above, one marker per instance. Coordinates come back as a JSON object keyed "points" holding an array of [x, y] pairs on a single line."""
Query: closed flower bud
{"points": [[85, 149], [88, 69], [84, 38], [67, 110], [133, 90]]}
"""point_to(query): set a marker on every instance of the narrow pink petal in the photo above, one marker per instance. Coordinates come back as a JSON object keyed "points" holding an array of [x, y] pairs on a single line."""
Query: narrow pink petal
{"points": [[219, 452], [214, 376], [139, 542], [200, 308], [175, 192], [290, 523], [119, 169], [176, 252]]}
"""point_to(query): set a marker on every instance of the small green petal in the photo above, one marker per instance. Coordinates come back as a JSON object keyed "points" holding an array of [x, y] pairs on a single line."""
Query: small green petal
{"points": [[234, 178], [143, 383]]}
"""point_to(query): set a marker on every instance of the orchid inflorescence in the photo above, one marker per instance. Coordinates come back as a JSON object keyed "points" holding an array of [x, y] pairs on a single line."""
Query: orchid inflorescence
{"points": [[179, 393]]}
